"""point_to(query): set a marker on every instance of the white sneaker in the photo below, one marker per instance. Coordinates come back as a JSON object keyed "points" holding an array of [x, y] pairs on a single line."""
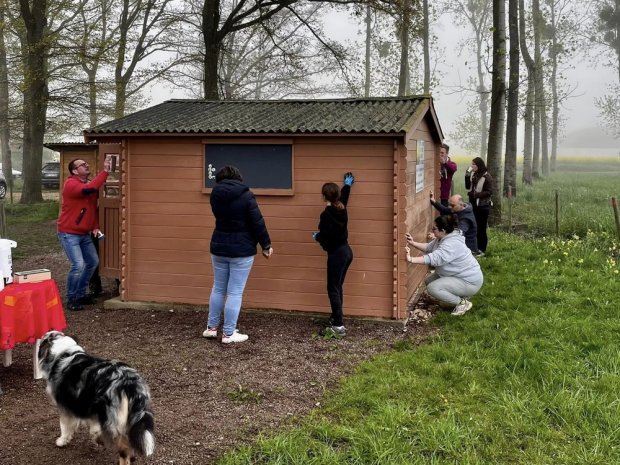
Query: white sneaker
{"points": [[463, 307], [234, 337], [210, 333]]}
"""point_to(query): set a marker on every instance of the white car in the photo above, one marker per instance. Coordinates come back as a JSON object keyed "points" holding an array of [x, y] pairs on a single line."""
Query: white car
{"points": [[16, 174]]}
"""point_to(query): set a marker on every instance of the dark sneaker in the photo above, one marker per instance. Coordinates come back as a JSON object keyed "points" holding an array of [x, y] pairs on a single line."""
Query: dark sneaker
{"points": [[87, 300], [74, 306], [333, 331]]}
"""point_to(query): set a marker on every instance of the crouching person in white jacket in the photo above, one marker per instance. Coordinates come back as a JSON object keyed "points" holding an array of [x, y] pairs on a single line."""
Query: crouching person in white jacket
{"points": [[457, 274]]}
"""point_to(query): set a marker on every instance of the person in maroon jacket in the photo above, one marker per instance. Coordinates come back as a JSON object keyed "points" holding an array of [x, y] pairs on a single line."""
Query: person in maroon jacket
{"points": [[78, 219], [447, 169]]}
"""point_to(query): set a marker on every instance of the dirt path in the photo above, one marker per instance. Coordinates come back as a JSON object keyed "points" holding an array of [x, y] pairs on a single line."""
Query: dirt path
{"points": [[208, 398]]}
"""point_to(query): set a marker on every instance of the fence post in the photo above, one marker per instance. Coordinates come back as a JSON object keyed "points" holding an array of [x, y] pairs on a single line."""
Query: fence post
{"points": [[557, 213], [509, 208], [614, 205]]}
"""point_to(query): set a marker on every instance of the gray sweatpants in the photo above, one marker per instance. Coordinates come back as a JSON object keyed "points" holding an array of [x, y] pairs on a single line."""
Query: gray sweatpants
{"points": [[450, 290]]}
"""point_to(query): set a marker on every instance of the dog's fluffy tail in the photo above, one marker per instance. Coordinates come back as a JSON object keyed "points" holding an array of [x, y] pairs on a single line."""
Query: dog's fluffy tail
{"points": [[140, 425]]}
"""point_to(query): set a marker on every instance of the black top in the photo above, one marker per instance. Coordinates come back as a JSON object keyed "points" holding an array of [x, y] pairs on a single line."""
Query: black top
{"points": [[333, 231], [239, 224]]}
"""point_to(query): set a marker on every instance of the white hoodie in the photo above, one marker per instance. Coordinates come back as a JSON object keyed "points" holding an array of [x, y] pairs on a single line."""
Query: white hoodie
{"points": [[451, 257]]}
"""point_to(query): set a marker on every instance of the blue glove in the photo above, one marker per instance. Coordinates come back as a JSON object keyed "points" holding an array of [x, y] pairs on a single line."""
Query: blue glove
{"points": [[314, 234], [349, 179]]}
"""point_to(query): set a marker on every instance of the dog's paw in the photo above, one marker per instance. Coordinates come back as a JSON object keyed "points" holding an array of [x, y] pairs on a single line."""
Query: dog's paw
{"points": [[62, 441]]}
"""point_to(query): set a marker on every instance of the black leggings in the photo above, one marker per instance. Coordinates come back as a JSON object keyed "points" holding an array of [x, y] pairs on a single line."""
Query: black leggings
{"points": [[482, 218], [338, 262]]}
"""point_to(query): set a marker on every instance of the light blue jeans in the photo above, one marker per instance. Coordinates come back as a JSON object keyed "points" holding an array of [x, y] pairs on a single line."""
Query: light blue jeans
{"points": [[449, 289], [229, 278], [83, 257]]}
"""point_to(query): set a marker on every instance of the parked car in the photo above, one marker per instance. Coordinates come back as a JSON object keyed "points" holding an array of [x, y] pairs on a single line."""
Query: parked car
{"points": [[2, 185], [50, 174], [16, 174]]}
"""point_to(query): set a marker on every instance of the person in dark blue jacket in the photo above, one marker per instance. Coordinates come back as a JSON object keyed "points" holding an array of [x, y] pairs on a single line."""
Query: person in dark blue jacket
{"points": [[239, 227], [333, 236], [465, 214]]}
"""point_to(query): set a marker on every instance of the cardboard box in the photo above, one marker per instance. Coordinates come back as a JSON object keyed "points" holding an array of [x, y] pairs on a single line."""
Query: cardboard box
{"points": [[32, 276]]}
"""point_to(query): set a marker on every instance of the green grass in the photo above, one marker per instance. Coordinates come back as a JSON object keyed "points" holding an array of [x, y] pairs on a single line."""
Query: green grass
{"points": [[531, 375], [584, 186], [33, 227]]}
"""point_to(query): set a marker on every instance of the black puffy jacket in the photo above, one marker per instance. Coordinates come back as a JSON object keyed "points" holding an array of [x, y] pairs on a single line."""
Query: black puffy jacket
{"points": [[239, 224]]}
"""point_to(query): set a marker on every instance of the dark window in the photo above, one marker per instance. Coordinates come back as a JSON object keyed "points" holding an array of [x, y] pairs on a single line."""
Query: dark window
{"points": [[263, 166]]}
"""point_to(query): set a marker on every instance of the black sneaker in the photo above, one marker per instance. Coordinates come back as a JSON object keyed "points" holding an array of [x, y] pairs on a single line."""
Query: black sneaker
{"points": [[86, 300], [75, 306]]}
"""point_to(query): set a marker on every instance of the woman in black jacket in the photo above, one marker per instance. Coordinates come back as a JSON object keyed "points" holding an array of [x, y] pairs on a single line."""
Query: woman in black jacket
{"points": [[333, 236], [239, 226], [479, 183]]}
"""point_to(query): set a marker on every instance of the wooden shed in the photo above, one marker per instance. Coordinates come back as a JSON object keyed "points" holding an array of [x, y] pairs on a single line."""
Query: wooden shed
{"points": [[157, 203]]}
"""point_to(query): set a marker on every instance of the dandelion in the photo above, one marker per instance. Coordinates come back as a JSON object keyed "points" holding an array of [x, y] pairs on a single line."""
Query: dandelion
{"points": [[545, 261], [580, 260]]}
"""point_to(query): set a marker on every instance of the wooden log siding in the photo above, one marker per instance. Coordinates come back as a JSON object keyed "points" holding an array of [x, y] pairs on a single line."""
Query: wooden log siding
{"points": [[415, 207], [170, 224]]}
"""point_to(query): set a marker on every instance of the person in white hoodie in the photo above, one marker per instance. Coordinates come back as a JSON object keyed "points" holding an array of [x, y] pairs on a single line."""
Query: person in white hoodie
{"points": [[457, 274]]}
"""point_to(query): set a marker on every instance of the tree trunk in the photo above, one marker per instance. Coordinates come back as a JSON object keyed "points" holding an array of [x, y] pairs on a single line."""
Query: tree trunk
{"points": [[210, 23], [403, 77], [35, 96], [512, 118], [498, 106], [92, 96], [426, 45], [540, 142], [555, 112], [484, 99], [5, 145], [368, 44], [529, 102]]}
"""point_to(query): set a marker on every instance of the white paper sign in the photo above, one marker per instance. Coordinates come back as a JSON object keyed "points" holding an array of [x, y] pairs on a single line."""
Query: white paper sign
{"points": [[419, 168]]}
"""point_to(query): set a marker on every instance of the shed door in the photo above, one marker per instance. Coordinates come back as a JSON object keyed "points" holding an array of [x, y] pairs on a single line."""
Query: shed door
{"points": [[109, 214]]}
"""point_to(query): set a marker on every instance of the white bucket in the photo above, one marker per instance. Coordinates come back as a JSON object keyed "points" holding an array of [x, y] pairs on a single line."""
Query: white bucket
{"points": [[6, 262]]}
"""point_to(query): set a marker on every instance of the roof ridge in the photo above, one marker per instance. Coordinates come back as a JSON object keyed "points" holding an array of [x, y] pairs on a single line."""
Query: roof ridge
{"points": [[326, 100]]}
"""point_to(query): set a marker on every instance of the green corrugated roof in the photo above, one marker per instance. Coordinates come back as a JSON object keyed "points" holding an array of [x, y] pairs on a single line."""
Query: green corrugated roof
{"points": [[372, 115]]}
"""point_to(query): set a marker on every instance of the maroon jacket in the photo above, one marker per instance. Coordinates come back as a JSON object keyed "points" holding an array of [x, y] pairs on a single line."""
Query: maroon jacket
{"points": [[446, 170], [78, 214]]}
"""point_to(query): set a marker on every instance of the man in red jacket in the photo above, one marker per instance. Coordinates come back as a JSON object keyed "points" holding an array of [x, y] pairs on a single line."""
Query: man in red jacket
{"points": [[78, 219], [447, 169]]}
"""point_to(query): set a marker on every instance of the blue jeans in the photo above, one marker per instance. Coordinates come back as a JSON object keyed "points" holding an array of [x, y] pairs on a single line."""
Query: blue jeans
{"points": [[229, 278], [83, 257]]}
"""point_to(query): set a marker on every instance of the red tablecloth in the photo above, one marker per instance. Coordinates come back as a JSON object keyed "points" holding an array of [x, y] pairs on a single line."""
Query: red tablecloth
{"points": [[28, 311]]}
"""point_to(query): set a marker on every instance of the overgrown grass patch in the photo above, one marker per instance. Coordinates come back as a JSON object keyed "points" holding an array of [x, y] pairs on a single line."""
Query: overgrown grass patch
{"points": [[33, 227], [531, 375]]}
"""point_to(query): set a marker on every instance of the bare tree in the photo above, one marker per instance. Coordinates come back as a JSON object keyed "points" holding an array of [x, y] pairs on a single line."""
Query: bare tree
{"points": [[5, 145], [512, 112], [540, 109], [146, 27], [498, 105], [34, 15], [426, 47], [528, 118], [477, 15]]}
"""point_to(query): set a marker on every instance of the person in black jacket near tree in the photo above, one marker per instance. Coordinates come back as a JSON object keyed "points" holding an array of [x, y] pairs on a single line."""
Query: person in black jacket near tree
{"points": [[333, 236], [479, 184], [239, 226]]}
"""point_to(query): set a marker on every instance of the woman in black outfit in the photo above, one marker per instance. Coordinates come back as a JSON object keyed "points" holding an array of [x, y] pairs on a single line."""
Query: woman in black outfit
{"points": [[333, 235], [479, 183]]}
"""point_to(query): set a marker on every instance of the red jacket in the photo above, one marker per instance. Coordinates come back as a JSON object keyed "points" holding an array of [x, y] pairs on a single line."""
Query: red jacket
{"points": [[446, 171], [78, 214]]}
